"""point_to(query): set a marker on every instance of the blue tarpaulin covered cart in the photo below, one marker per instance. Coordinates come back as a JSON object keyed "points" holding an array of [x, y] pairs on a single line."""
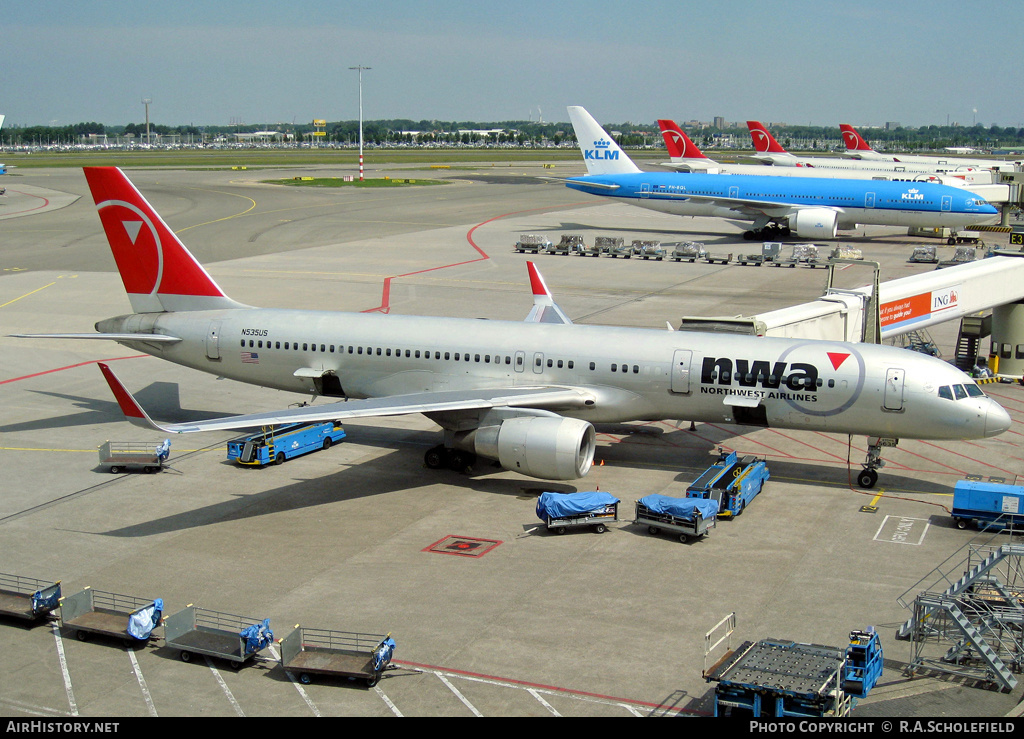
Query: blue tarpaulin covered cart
{"points": [[687, 517], [561, 511]]}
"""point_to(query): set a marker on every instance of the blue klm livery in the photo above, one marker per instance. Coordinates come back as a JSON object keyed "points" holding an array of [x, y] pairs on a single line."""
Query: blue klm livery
{"points": [[809, 207]]}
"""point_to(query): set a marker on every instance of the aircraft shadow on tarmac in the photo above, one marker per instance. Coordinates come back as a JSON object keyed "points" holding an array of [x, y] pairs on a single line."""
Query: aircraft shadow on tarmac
{"points": [[665, 233], [405, 471], [162, 397]]}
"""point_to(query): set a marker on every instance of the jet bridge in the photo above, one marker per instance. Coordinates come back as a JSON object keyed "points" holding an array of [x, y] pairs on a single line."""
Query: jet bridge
{"points": [[914, 303]]}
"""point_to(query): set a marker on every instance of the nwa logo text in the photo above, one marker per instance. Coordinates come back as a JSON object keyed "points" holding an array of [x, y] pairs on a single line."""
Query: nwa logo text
{"points": [[798, 376], [602, 150]]}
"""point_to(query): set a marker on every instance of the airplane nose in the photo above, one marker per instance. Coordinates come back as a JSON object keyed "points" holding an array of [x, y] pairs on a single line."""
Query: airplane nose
{"points": [[997, 420]]}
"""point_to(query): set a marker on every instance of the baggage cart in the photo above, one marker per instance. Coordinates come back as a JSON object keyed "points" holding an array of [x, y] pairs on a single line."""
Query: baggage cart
{"points": [[562, 511], [236, 639], [569, 244], [717, 258], [686, 517], [608, 245], [648, 249], [308, 652], [691, 251], [532, 243], [119, 456], [924, 255], [125, 617], [27, 598]]}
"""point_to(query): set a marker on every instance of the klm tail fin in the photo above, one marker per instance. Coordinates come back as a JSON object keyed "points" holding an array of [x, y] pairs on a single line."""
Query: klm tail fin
{"points": [[600, 153], [157, 270]]}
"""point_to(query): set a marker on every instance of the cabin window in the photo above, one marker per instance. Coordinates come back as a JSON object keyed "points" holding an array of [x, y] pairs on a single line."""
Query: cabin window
{"points": [[615, 368], [959, 392], [593, 366]]}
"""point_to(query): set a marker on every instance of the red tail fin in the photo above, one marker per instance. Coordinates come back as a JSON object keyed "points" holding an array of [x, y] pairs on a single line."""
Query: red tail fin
{"points": [[853, 140], [764, 142], [157, 270], [678, 143]]}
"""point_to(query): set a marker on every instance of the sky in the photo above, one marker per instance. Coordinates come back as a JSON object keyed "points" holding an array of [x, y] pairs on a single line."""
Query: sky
{"points": [[816, 62]]}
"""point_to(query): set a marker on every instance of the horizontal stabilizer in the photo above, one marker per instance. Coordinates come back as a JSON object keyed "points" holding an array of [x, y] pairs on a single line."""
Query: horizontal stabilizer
{"points": [[151, 338]]}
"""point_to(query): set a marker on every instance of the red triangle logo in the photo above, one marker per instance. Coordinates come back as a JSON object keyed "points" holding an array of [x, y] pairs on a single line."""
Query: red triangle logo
{"points": [[837, 359]]}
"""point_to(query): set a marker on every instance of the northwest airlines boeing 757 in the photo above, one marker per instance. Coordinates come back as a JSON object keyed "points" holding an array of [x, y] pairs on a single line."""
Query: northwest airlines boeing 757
{"points": [[810, 207], [526, 394]]}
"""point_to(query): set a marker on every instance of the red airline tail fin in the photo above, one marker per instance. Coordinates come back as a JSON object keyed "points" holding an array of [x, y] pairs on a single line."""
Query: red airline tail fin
{"points": [[764, 142], [678, 143], [853, 140], [157, 270]]}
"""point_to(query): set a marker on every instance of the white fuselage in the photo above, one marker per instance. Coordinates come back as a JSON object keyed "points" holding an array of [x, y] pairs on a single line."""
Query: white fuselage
{"points": [[633, 374]]}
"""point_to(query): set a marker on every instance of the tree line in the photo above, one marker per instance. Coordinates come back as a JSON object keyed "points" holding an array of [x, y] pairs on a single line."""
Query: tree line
{"points": [[521, 133]]}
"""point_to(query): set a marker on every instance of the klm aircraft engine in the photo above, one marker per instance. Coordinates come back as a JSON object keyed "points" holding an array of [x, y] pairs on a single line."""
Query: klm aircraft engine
{"points": [[815, 223]]}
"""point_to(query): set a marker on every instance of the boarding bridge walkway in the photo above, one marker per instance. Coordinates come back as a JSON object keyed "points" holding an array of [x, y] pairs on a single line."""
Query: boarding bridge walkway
{"points": [[907, 304]]}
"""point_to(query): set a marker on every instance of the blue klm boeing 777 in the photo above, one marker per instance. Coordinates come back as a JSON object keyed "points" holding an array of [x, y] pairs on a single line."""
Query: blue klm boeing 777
{"points": [[808, 207]]}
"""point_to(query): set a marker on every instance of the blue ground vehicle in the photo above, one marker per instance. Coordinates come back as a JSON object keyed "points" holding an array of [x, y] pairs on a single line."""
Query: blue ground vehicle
{"points": [[989, 504], [731, 481], [276, 444]]}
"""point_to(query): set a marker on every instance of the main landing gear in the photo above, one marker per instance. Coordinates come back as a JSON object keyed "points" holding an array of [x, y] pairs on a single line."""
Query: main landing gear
{"points": [[770, 232], [873, 461], [440, 457]]}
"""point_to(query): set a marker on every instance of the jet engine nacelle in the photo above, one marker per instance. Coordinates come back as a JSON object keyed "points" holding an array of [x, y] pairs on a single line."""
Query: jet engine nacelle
{"points": [[546, 447], [814, 223]]}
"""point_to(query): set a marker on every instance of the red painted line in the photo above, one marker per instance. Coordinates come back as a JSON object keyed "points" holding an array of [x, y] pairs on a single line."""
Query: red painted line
{"points": [[552, 688], [70, 366], [28, 210], [385, 302]]}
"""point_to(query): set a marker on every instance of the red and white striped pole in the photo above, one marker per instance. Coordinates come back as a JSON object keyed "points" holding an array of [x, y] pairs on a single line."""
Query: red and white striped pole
{"points": [[360, 68]]}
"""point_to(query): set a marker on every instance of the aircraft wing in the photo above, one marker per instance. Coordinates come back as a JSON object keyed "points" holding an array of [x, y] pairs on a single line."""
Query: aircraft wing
{"points": [[740, 205], [549, 398]]}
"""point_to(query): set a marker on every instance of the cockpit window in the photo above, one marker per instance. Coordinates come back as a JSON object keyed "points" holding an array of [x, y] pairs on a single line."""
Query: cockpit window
{"points": [[974, 391], [959, 392]]}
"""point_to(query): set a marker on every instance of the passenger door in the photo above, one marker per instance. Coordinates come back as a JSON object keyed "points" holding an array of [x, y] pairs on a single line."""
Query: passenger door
{"points": [[893, 398], [213, 341], [681, 370]]}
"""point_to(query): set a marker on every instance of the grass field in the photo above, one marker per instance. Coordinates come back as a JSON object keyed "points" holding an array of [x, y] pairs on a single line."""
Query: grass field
{"points": [[277, 158]]}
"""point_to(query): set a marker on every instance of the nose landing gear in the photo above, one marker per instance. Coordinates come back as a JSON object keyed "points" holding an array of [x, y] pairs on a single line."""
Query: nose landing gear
{"points": [[873, 461]]}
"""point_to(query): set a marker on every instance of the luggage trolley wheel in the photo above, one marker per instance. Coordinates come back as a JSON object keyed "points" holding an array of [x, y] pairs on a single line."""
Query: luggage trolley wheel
{"points": [[373, 680], [305, 678], [114, 469], [185, 656], [560, 530], [961, 523], [684, 538], [600, 528]]}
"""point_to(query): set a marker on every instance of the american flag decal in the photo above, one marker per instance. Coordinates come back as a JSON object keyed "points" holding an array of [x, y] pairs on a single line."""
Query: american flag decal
{"points": [[251, 357]]}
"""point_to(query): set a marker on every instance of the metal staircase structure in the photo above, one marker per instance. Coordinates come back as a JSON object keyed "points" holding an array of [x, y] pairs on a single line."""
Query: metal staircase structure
{"points": [[969, 620]]}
